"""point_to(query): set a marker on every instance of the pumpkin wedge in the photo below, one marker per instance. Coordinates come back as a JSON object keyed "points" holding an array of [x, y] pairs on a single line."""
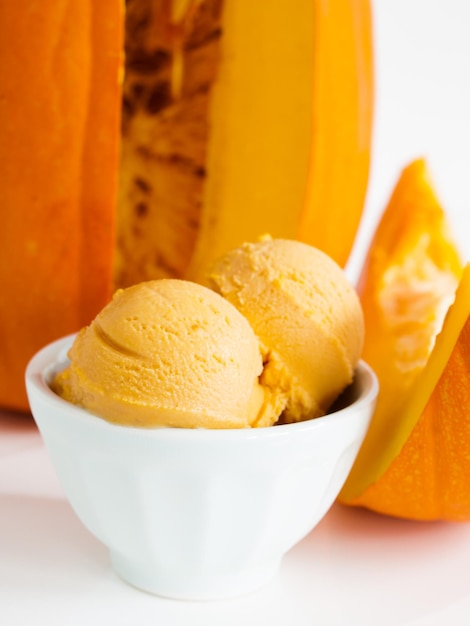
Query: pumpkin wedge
{"points": [[281, 158], [141, 139], [414, 460]]}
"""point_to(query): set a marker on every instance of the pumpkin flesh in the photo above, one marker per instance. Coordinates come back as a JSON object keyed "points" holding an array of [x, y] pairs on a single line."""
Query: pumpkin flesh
{"points": [[281, 154], [171, 64]]}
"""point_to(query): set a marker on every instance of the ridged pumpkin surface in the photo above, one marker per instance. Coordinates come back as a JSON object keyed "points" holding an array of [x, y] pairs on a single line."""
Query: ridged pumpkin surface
{"points": [[238, 118], [415, 460], [59, 145]]}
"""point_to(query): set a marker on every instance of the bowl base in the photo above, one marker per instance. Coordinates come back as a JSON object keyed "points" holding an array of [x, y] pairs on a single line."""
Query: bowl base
{"points": [[193, 586]]}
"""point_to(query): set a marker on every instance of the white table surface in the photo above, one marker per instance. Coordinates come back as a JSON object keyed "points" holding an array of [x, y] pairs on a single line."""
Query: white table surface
{"points": [[355, 568]]}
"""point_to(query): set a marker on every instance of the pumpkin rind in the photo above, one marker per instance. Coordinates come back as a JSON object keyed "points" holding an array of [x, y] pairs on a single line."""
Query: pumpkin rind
{"points": [[60, 65], [428, 479], [342, 127]]}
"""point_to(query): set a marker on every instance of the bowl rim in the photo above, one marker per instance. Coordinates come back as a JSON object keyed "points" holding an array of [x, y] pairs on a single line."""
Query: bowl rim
{"points": [[53, 357]]}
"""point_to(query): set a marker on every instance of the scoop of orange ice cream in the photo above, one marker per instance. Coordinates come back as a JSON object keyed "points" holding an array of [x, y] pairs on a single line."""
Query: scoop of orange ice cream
{"points": [[306, 315], [170, 353]]}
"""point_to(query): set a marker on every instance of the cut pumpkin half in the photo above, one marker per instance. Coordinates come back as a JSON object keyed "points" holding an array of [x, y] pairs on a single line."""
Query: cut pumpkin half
{"points": [[141, 139]]}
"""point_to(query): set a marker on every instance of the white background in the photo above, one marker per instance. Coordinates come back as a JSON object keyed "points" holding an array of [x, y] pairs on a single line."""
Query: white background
{"points": [[422, 55], [356, 568]]}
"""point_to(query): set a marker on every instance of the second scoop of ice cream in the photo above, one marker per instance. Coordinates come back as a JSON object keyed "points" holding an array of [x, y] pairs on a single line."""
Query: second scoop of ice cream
{"points": [[306, 315], [167, 353]]}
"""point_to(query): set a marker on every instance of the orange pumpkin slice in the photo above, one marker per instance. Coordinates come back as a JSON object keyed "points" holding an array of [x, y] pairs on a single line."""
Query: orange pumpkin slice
{"points": [[413, 461]]}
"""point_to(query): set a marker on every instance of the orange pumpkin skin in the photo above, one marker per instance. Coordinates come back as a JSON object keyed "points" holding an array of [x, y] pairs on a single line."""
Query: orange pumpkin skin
{"points": [[61, 63], [429, 480], [342, 128], [59, 105]]}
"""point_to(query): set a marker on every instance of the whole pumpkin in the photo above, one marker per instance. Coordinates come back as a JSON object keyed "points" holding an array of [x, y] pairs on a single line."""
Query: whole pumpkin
{"points": [[140, 141]]}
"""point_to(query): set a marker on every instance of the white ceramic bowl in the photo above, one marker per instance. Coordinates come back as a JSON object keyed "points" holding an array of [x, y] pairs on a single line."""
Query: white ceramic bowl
{"points": [[197, 514]]}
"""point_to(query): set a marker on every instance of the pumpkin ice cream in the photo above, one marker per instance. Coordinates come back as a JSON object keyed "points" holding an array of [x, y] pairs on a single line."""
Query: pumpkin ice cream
{"points": [[306, 315], [168, 353], [276, 338]]}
